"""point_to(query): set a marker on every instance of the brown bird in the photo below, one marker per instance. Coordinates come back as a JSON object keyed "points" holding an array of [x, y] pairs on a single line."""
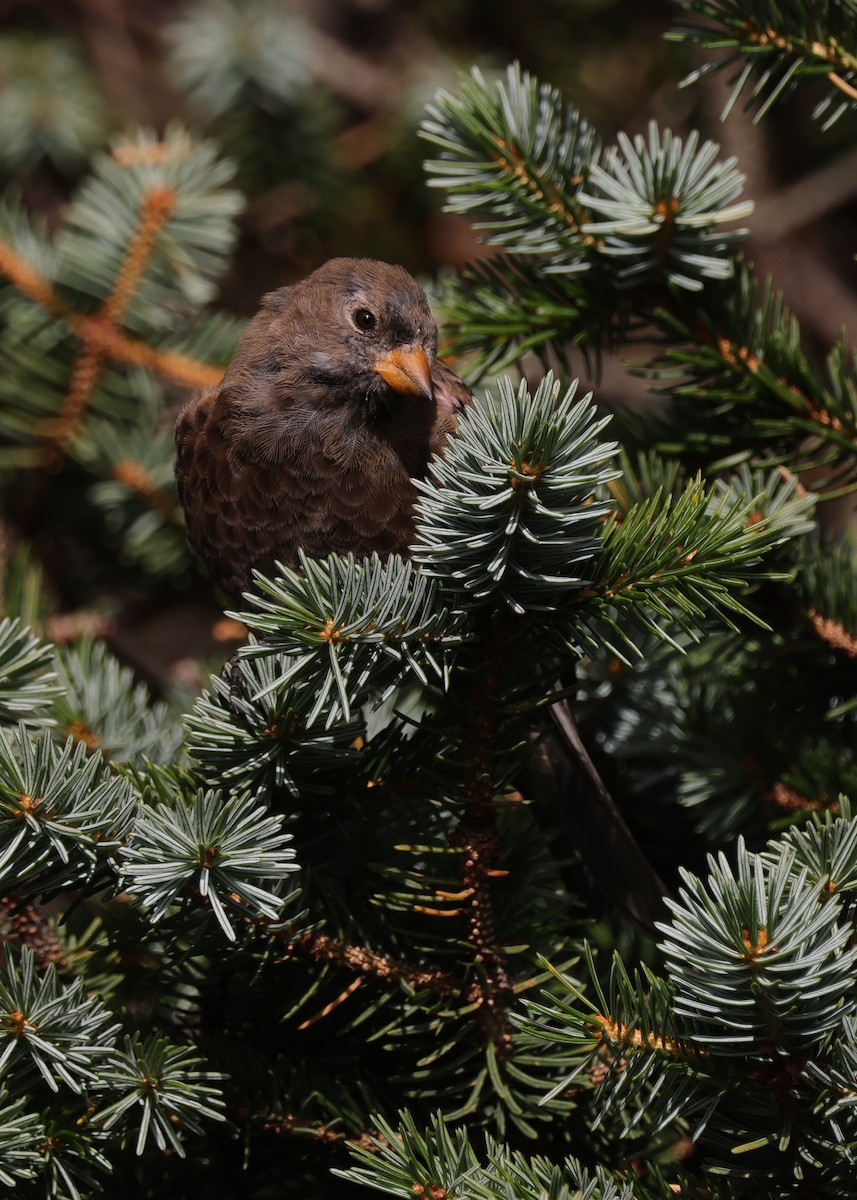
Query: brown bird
{"points": [[334, 402]]}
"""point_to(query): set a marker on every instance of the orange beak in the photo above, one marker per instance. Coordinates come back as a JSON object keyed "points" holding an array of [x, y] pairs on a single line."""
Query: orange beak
{"points": [[407, 370]]}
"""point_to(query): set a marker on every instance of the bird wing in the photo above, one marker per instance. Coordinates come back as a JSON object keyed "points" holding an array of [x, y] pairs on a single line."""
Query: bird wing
{"points": [[315, 491]]}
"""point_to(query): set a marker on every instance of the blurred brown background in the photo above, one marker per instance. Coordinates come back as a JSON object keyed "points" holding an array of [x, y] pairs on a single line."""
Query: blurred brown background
{"points": [[325, 132]]}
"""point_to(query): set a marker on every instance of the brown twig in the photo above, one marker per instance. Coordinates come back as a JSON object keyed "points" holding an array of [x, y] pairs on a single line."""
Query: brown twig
{"points": [[832, 632], [322, 948], [476, 837], [843, 85], [155, 211], [137, 479], [783, 796], [634, 1038]]}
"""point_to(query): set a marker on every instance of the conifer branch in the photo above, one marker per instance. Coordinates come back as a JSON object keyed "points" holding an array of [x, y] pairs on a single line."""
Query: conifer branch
{"points": [[101, 338], [833, 633], [514, 139], [388, 710], [81, 733], [29, 282], [783, 796], [103, 707], [322, 947], [295, 1123], [742, 352], [743, 360], [156, 208], [28, 684], [137, 479], [829, 51], [58, 432], [780, 44], [440, 1163], [477, 839], [632, 1037]]}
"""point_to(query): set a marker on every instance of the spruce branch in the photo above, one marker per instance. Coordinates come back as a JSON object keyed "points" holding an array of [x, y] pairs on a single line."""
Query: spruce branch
{"points": [[513, 1171], [776, 45], [208, 851], [784, 797], [397, 703], [61, 812], [229, 56], [679, 557], [140, 249], [73, 1162], [132, 265], [826, 585], [159, 214], [836, 1103], [16, 266], [48, 1030], [167, 1086], [477, 838], [695, 726], [136, 492], [750, 1036], [653, 212], [827, 849], [511, 512], [825, 770], [25, 594], [498, 309], [264, 727], [515, 154], [488, 902], [742, 351], [323, 948], [33, 282], [297, 1100], [104, 707], [341, 622], [742, 987], [21, 1139], [628, 1045], [532, 172], [658, 205], [50, 108], [440, 1163], [28, 685]]}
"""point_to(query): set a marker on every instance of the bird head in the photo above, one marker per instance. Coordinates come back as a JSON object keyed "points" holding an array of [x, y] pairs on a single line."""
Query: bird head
{"points": [[355, 333]]}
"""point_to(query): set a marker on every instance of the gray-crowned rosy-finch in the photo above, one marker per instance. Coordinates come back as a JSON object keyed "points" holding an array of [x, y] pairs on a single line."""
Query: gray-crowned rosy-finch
{"points": [[334, 402]]}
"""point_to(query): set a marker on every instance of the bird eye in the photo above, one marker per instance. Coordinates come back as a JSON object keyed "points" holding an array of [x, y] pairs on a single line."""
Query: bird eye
{"points": [[364, 320]]}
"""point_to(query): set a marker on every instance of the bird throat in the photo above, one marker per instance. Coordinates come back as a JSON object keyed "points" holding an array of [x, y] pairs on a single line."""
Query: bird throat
{"points": [[403, 425]]}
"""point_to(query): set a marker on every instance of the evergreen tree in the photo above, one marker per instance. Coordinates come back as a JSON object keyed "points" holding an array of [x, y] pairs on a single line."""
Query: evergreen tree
{"points": [[351, 900]]}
